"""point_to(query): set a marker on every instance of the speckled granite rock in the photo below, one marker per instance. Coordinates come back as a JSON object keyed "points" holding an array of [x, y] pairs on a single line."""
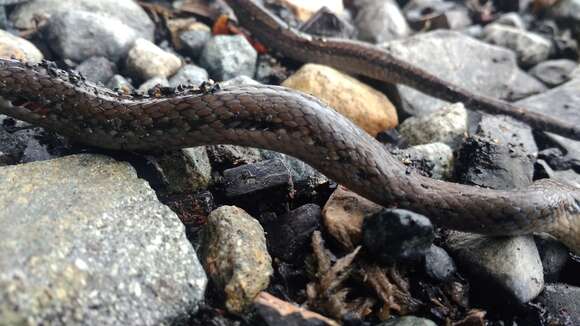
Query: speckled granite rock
{"points": [[85, 242]]}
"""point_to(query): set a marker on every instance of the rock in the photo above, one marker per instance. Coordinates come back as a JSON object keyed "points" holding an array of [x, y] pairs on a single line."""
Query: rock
{"points": [[78, 35], [529, 47], [289, 236], [85, 241], [146, 60], [524, 85], [554, 256], [554, 72], [120, 83], [408, 321], [126, 11], [276, 312], [395, 234], [343, 216], [438, 264], [302, 173], [235, 256], [23, 145], [229, 155], [12, 46], [448, 126], [485, 69], [185, 171], [380, 21], [239, 81], [562, 304], [226, 57], [97, 69], [511, 19], [189, 75], [431, 15], [435, 159], [152, 83], [504, 266], [506, 130], [304, 9], [567, 11], [326, 23], [194, 40], [258, 177], [368, 108]]}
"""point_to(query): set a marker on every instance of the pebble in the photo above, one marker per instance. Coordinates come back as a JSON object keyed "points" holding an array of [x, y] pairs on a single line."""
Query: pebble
{"points": [[194, 40], [326, 23], [380, 21], [396, 234], [121, 83], [302, 173], [151, 83], [566, 11], [97, 69], [438, 264], [235, 256], [506, 267], [408, 321], [512, 19], [554, 72], [85, 241], [304, 9], [189, 74], [146, 60], [78, 35], [435, 159], [561, 302], [447, 125], [258, 177], [368, 108], [12, 46], [431, 15], [529, 47], [185, 171], [226, 57]]}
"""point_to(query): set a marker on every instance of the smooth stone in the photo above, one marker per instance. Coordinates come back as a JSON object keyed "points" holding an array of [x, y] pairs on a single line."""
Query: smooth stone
{"points": [[235, 256], [368, 108], [97, 69], [380, 21], [509, 266], [12, 46], [524, 85], [78, 35], [86, 242], [529, 47], [447, 125], [190, 75], [226, 56], [438, 264], [554, 72], [146, 60], [436, 159], [194, 40]]}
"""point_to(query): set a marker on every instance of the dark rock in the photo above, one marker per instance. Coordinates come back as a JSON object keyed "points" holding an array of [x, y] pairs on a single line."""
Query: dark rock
{"points": [[193, 41], [185, 171], [543, 170], [529, 47], [253, 178], [302, 173], [562, 304], [557, 160], [97, 69], [189, 75], [554, 72], [431, 15], [20, 143], [289, 235], [228, 156], [506, 130], [395, 234], [380, 21], [554, 256], [226, 57], [325, 23], [438, 264]]}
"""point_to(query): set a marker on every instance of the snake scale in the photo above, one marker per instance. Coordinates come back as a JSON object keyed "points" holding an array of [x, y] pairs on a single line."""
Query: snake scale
{"points": [[294, 123]]}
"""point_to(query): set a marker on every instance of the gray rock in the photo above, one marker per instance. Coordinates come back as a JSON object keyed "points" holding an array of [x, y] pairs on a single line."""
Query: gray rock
{"points": [[235, 256], [408, 321], [447, 125], [226, 57], [431, 15], [529, 47], [301, 172], [554, 256], [507, 266], [230, 155], [568, 176], [22, 145], [187, 170], [78, 35], [512, 19], [239, 81], [86, 242], [485, 69], [561, 302], [507, 130], [126, 11], [97, 69], [380, 21], [146, 60], [554, 72], [193, 41], [121, 83], [191, 75], [151, 83], [17, 47], [438, 264], [258, 177], [566, 11], [524, 85], [436, 159]]}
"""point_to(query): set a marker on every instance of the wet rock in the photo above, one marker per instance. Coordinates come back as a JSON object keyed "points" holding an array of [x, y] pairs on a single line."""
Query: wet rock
{"points": [[512, 19], [85, 241], [554, 256], [146, 60], [326, 23], [120, 83], [368, 108], [289, 236], [235, 256], [152, 83], [506, 130], [226, 57], [438, 264], [505, 266], [408, 321], [380, 21], [485, 69], [194, 40], [126, 11], [78, 35], [447, 125], [276, 312], [343, 216], [394, 234], [562, 304], [529, 47], [435, 159], [554, 72], [252, 178], [189, 75], [97, 69], [302, 173], [187, 170], [12, 46], [304, 9]]}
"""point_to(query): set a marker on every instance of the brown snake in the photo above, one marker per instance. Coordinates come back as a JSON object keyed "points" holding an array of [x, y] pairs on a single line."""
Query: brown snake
{"points": [[286, 121]]}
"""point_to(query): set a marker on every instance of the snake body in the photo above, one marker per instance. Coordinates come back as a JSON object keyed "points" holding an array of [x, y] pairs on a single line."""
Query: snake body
{"points": [[286, 121]]}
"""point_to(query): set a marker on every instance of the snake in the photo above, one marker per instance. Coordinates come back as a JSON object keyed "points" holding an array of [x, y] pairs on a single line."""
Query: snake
{"points": [[286, 121]]}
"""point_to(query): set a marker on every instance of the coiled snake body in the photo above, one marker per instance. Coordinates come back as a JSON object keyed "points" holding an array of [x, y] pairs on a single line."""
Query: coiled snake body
{"points": [[286, 121]]}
